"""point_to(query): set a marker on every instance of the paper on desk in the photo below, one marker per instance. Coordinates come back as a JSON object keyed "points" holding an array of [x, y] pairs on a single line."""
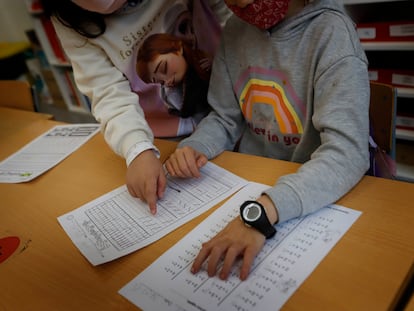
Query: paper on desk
{"points": [[45, 152], [117, 224], [279, 269]]}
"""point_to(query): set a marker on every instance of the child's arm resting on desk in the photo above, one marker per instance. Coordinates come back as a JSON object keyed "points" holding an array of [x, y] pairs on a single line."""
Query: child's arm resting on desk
{"points": [[234, 241]]}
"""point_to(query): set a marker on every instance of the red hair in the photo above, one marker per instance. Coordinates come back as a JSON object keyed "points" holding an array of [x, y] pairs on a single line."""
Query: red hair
{"points": [[154, 45]]}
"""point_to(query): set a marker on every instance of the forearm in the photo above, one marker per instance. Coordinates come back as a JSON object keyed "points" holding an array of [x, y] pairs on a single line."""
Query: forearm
{"points": [[114, 105], [340, 117]]}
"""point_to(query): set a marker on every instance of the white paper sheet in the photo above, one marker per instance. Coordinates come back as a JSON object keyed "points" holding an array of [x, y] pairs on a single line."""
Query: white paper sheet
{"points": [[117, 224], [279, 269], [45, 152]]}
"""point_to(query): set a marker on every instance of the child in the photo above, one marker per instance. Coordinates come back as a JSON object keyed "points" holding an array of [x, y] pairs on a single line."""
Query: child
{"points": [[289, 82], [101, 39], [179, 68]]}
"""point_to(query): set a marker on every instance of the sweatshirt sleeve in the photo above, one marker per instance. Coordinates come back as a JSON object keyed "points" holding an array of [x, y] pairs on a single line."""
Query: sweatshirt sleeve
{"points": [[222, 128], [341, 105], [114, 105]]}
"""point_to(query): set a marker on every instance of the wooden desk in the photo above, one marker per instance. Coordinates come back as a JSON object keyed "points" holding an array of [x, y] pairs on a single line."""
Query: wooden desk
{"points": [[366, 270], [14, 120]]}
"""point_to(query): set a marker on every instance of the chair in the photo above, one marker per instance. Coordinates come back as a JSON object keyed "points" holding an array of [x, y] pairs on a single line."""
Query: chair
{"points": [[16, 94], [382, 110]]}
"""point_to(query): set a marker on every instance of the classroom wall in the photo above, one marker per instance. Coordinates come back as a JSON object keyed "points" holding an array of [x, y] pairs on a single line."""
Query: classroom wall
{"points": [[14, 20]]}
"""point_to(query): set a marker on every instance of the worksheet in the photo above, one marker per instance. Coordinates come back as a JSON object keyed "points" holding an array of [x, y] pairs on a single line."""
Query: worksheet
{"points": [[45, 152], [279, 269], [117, 224]]}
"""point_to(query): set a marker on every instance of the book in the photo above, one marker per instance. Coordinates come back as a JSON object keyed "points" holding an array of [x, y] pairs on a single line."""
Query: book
{"points": [[395, 77], [53, 39], [34, 6], [79, 99], [405, 121], [386, 31]]}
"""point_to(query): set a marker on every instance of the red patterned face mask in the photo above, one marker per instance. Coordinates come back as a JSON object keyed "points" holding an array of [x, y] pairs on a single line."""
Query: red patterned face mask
{"points": [[262, 13]]}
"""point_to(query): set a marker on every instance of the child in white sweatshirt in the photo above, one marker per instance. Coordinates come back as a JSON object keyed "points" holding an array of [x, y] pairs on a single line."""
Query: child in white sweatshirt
{"points": [[101, 39]]}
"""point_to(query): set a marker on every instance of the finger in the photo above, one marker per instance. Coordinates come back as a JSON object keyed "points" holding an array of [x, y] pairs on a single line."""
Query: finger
{"points": [[228, 262], [131, 191], [150, 197], [192, 166], [201, 161], [199, 260], [180, 162], [169, 167], [248, 258], [152, 203], [181, 166], [214, 259], [162, 183], [174, 166]]}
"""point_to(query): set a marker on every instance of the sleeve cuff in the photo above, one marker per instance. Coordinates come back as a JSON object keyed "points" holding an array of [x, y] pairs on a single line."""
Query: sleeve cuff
{"points": [[136, 149], [287, 202]]}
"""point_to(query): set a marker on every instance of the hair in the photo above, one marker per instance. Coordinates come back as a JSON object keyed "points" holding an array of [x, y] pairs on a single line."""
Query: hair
{"points": [[154, 45], [86, 23], [196, 79]]}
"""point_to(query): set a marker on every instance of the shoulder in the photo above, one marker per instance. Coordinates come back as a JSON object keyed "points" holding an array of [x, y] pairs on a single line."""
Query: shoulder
{"points": [[334, 32], [330, 20], [68, 37]]}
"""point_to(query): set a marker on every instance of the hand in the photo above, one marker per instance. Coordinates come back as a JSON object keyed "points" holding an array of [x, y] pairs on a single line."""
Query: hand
{"points": [[146, 179], [185, 162], [234, 241]]}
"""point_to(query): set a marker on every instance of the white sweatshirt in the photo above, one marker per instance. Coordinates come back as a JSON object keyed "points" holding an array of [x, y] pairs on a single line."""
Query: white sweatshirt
{"points": [[130, 111]]}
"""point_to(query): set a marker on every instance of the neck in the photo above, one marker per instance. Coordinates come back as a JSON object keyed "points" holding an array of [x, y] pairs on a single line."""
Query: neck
{"points": [[295, 6]]}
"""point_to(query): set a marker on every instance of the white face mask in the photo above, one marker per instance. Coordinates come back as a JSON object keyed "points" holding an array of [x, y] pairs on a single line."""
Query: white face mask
{"points": [[100, 6]]}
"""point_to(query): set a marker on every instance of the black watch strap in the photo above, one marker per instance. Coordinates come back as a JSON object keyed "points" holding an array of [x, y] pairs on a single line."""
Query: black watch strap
{"points": [[254, 215]]}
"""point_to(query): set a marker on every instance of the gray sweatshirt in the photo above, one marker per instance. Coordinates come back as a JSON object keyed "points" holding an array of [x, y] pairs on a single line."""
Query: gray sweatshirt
{"points": [[299, 92]]}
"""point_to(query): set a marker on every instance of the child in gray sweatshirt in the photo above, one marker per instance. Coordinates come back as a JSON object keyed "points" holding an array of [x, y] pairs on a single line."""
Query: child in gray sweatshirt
{"points": [[289, 82]]}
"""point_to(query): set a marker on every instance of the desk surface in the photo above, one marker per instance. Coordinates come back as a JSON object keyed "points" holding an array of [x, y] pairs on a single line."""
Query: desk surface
{"points": [[14, 120], [366, 270], [21, 117]]}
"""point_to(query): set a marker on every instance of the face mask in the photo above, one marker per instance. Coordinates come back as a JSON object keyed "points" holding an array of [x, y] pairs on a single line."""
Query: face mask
{"points": [[100, 6], [262, 13]]}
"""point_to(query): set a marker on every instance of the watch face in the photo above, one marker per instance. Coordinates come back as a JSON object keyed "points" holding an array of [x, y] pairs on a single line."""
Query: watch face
{"points": [[252, 212]]}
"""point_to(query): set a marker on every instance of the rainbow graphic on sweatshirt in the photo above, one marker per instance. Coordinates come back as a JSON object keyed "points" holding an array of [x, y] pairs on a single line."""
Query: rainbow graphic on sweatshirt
{"points": [[270, 87]]}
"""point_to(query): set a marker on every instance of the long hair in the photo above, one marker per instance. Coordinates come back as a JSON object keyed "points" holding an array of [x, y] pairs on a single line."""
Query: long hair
{"points": [[86, 23]]}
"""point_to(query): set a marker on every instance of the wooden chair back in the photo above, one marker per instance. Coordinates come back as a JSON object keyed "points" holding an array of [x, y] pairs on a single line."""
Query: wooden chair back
{"points": [[382, 111], [16, 94]]}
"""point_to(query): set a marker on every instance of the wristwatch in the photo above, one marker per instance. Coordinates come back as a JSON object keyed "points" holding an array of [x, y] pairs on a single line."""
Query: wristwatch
{"points": [[253, 214]]}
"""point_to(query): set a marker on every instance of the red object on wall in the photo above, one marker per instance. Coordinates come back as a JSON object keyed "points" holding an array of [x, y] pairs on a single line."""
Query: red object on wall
{"points": [[398, 78], [386, 31]]}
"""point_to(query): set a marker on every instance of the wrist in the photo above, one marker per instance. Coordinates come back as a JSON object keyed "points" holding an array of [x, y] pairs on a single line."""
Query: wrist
{"points": [[253, 214], [139, 148], [270, 208]]}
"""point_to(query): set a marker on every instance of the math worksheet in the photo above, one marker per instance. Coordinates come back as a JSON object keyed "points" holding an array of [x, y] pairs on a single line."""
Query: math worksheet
{"points": [[44, 152], [279, 269], [117, 224]]}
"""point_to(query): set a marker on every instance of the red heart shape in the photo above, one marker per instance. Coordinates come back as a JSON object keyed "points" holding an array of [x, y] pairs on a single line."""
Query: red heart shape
{"points": [[8, 246]]}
